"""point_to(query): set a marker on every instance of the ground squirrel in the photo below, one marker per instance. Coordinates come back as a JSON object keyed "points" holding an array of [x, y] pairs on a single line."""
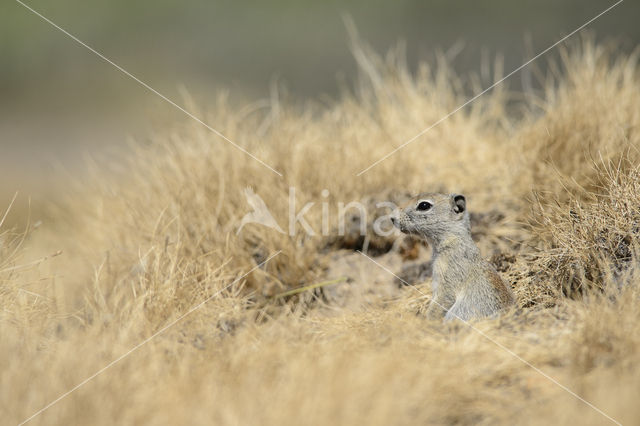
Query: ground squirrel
{"points": [[465, 286]]}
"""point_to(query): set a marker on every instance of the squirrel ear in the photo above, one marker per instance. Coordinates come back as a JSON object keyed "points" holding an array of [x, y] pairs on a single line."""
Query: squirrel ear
{"points": [[458, 202]]}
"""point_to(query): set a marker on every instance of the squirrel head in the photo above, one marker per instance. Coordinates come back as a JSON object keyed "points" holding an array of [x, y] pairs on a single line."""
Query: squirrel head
{"points": [[434, 216]]}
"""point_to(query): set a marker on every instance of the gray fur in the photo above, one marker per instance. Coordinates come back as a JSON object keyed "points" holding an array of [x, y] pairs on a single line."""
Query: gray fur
{"points": [[465, 286]]}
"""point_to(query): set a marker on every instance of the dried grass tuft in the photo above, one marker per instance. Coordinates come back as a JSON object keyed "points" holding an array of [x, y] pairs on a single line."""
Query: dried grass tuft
{"points": [[554, 193]]}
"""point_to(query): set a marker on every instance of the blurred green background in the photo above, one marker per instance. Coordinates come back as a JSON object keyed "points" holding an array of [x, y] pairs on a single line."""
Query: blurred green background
{"points": [[59, 101]]}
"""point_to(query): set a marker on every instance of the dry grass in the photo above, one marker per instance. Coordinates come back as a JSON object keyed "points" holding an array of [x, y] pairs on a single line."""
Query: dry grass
{"points": [[556, 195]]}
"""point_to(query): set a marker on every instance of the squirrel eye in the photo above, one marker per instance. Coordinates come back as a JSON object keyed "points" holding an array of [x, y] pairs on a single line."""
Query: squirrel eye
{"points": [[424, 205]]}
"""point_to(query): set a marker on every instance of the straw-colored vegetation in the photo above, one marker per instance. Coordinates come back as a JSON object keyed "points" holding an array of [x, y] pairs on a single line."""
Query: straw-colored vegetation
{"points": [[552, 179]]}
